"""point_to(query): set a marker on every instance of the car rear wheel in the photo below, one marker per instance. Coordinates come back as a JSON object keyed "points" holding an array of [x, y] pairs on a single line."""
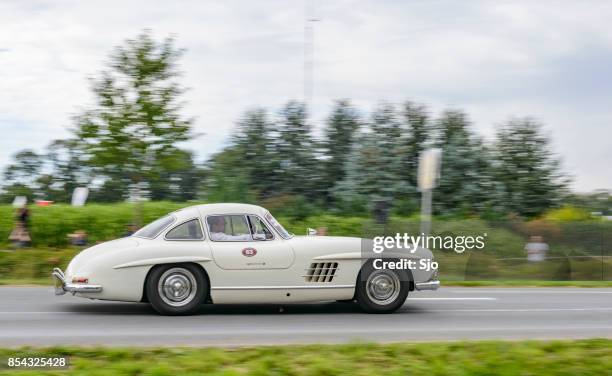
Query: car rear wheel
{"points": [[176, 289], [381, 290]]}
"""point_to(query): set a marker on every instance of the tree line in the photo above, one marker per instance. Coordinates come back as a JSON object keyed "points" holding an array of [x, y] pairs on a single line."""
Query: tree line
{"points": [[128, 144]]}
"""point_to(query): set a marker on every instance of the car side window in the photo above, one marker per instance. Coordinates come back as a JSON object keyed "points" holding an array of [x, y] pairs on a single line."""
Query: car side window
{"points": [[153, 229], [190, 230], [227, 228], [259, 230]]}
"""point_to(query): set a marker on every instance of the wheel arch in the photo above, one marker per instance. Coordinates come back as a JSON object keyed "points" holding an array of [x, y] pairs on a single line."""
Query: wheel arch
{"points": [[409, 272], [145, 298]]}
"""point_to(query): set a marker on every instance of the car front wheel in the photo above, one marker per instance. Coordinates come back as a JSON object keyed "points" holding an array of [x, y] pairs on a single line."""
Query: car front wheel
{"points": [[176, 289], [381, 290]]}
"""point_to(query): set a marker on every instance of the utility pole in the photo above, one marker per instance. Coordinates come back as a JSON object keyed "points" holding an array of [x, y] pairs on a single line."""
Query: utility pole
{"points": [[309, 21]]}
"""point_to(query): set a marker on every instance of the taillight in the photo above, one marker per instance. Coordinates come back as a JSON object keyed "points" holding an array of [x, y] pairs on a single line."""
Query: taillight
{"points": [[80, 280]]}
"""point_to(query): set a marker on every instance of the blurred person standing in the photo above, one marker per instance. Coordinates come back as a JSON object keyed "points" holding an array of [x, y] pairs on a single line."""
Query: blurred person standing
{"points": [[536, 249], [130, 229], [78, 238], [20, 236]]}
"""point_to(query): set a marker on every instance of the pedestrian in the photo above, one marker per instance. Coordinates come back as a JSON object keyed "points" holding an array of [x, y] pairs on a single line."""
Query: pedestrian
{"points": [[130, 229], [20, 236], [536, 249]]}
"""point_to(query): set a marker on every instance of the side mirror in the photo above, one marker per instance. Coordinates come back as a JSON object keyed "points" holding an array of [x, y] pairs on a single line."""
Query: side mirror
{"points": [[259, 236], [311, 231]]}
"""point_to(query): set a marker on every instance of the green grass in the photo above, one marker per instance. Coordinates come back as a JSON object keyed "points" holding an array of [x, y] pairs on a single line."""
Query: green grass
{"points": [[527, 283], [33, 266], [26, 281], [579, 357]]}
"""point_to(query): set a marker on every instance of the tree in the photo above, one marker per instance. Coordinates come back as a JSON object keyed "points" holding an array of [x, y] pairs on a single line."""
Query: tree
{"points": [[226, 179], [371, 172], [68, 170], [598, 201], [135, 126], [416, 134], [415, 138], [464, 176], [348, 193], [25, 169], [176, 177], [254, 141], [295, 147], [381, 162], [342, 127], [527, 168], [21, 177]]}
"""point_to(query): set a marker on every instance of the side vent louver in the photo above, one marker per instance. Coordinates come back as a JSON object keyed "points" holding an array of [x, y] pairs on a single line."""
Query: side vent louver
{"points": [[321, 272]]}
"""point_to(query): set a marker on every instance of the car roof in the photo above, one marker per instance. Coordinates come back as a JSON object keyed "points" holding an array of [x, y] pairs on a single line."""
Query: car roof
{"points": [[229, 208]]}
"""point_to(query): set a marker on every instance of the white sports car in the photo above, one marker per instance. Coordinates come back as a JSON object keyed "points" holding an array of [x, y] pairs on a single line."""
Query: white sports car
{"points": [[235, 253]]}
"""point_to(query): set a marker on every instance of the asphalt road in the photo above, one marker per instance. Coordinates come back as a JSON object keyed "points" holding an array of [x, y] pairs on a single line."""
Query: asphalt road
{"points": [[34, 316]]}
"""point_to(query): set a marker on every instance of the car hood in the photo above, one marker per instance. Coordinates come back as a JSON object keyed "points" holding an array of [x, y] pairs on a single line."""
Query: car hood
{"points": [[323, 241]]}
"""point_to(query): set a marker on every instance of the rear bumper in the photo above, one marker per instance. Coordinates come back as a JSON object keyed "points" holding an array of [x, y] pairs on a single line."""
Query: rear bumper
{"points": [[62, 286], [429, 285]]}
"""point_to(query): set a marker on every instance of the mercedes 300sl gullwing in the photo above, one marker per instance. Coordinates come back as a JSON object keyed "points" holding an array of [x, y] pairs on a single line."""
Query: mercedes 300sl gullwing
{"points": [[236, 253]]}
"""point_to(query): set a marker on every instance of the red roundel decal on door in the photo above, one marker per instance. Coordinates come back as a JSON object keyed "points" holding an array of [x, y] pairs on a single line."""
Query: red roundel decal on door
{"points": [[249, 252]]}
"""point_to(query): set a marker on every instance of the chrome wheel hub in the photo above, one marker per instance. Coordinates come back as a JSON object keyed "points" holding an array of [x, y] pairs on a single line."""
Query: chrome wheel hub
{"points": [[383, 287], [177, 287]]}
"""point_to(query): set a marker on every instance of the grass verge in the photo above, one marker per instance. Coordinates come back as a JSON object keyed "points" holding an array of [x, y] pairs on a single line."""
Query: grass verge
{"points": [[26, 282], [579, 357], [527, 283], [33, 266]]}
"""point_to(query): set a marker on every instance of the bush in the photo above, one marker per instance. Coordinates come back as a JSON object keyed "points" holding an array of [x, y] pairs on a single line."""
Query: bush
{"points": [[567, 213], [31, 264], [50, 225]]}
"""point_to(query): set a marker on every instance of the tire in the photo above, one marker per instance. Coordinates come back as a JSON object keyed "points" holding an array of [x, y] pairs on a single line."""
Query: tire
{"points": [[176, 289], [382, 290]]}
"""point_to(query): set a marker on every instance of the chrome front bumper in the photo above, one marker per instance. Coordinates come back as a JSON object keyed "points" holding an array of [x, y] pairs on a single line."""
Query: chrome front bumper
{"points": [[62, 286], [429, 285]]}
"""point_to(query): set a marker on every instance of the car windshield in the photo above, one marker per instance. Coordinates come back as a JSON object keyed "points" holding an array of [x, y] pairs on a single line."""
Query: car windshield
{"points": [[281, 230], [154, 228]]}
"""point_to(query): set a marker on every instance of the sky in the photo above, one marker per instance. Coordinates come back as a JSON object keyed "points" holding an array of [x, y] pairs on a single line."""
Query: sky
{"points": [[549, 60]]}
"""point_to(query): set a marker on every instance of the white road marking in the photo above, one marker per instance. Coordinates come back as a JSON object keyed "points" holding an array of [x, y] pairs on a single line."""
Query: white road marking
{"points": [[53, 312], [604, 309], [529, 291], [474, 298]]}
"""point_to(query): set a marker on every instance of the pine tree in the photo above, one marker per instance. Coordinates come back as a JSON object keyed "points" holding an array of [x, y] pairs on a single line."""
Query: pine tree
{"points": [[464, 171], [416, 134], [299, 170], [225, 178], [342, 128], [347, 193], [415, 139], [527, 168], [254, 140]]}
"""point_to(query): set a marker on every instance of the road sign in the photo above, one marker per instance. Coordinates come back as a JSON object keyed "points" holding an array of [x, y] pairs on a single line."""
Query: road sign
{"points": [[428, 177], [20, 201], [429, 169], [79, 196]]}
